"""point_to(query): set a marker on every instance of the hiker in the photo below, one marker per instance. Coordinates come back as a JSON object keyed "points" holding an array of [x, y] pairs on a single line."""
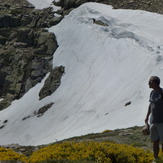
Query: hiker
{"points": [[155, 111]]}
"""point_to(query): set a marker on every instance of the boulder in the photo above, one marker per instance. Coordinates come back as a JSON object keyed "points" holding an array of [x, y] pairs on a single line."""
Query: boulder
{"points": [[52, 82]]}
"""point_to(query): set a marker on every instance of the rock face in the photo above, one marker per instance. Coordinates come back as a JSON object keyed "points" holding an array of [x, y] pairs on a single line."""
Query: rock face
{"points": [[52, 82], [148, 5], [26, 48]]}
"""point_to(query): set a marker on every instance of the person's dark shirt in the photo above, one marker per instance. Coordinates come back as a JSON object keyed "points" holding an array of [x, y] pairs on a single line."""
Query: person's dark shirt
{"points": [[156, 106]]}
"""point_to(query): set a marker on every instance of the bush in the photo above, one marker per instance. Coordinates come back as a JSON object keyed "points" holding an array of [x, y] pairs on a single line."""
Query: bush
{"points": [[106, 131], [101, 152], [8, 154]]}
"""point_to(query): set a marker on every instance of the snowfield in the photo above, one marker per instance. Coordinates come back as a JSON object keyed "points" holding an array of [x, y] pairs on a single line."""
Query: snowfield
{"points": [[106, 67]]}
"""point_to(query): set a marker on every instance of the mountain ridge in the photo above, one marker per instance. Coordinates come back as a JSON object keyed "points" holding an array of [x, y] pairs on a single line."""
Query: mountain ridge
{"points": [[97, 43]]}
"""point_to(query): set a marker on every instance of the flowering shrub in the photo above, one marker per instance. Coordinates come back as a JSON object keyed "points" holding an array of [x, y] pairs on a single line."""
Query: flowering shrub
{"points": [[106, 131], [8, 154], [101, 152]]}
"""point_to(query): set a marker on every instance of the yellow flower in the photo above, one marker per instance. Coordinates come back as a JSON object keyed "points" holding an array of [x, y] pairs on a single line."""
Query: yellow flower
{"points": [[101, 152]]}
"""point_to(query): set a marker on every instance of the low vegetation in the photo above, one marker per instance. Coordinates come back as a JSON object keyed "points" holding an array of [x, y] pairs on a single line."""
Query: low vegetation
{"points": [[9, 154], [110, 146], [102, 152], [89, 151]]}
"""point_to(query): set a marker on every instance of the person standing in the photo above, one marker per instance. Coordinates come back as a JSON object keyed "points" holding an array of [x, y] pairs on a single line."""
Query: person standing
{"points": [[155, 112]]}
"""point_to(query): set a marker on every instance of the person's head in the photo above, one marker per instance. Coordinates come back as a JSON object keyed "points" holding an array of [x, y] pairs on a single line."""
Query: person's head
{"points": [[154, 82]]}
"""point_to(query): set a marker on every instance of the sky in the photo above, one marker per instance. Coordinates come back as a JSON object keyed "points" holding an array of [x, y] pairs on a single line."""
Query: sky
{"points": [[106, 67]]}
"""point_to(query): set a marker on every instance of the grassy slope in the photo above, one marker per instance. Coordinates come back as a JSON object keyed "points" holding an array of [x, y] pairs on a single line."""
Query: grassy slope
{"points": [[130, 136]]}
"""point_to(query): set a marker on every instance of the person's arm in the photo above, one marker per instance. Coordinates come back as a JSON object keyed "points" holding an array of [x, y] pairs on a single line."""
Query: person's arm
{"points": [[148, 113]]}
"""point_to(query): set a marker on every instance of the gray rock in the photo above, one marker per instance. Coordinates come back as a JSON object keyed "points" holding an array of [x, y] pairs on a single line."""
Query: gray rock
{"points": [[8, 21], [26, 51], [52, 82], [3, 40]]}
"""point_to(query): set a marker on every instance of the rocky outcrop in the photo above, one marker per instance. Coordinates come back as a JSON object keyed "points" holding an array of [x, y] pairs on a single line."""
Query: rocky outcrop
{"points": [[52, 82], [148, 5], [26, 48], [37, 113]]}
